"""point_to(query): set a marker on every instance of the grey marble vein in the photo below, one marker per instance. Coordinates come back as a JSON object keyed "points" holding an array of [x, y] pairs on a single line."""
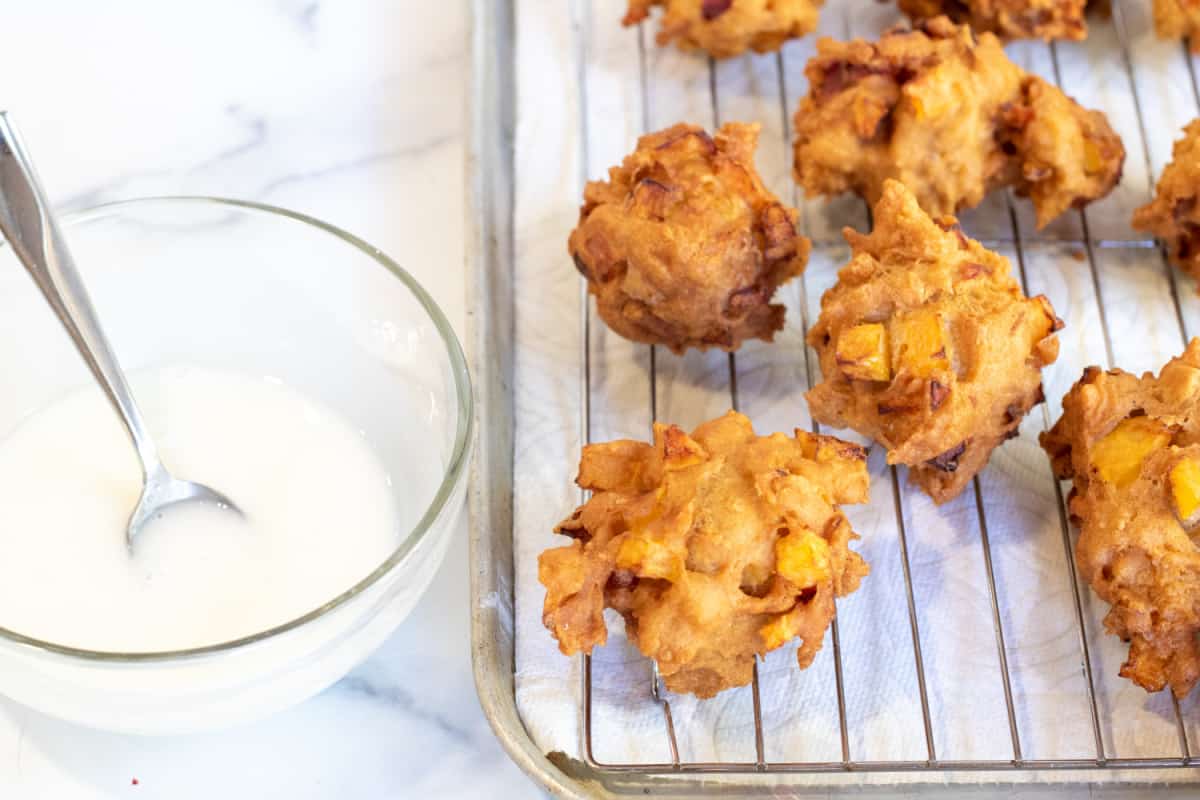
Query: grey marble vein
{"points": [[402, 700], [104, 191], [308, 17], [255, 127], [356, 163]]}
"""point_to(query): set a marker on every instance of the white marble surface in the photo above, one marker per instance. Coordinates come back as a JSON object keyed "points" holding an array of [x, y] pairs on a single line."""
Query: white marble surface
{"points": [[351, 110]]}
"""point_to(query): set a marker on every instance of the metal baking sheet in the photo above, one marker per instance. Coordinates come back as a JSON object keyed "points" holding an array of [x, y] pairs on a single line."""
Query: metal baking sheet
{"points": [[1122, 304]]}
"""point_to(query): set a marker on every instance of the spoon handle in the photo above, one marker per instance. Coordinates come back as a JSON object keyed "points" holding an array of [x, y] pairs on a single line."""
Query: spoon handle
{"points": [[28, 225]]}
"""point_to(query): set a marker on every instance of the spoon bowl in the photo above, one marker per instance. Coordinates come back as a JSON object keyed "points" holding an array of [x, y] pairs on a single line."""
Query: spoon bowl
{"points": [[161, 491]]}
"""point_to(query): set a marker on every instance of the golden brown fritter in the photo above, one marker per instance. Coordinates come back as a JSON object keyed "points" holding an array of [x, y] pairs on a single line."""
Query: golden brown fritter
{"points": [[684, 246], [1178, 19], [928, 346], [1174, 215], [1008, 19], [714, 547], [951, 117], [1132, 447], [725, 28]]}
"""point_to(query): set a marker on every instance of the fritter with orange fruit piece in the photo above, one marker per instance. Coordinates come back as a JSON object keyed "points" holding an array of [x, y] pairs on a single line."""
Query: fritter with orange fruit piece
{"points": [[684, 246], [946, 113], [715, 547], [1009, 19], [726, 28], [928, 345], [1131, 446]]}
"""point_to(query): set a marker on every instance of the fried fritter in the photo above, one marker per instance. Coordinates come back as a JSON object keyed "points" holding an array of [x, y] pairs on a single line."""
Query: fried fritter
{"points": [[1132, 447], [684, 246], [1174, 214], [948, 115], [1008, 19], [928, 346], [1178, 19], [714, 547], [726, 28]]}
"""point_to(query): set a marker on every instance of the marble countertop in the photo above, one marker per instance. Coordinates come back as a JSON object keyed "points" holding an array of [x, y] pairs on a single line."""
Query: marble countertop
{"points": [[352, 111]]}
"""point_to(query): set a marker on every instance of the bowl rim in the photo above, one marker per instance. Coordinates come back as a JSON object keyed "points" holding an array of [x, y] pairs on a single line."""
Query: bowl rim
{"points": [[452, 476]]}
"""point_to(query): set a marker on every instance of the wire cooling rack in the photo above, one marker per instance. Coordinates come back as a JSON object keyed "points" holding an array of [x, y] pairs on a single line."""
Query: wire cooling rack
{"points": [[1102, 248]]}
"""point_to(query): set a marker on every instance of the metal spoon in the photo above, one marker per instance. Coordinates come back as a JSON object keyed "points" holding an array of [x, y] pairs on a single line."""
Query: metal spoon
{"points": [[28, 225]]}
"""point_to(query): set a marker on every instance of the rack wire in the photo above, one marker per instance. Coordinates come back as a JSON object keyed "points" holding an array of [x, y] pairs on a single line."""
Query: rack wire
{"points": [[1101, 759]]}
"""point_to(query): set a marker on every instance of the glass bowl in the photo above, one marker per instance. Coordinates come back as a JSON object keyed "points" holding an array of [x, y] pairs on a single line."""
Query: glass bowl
{"points": [[262, 291]]}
